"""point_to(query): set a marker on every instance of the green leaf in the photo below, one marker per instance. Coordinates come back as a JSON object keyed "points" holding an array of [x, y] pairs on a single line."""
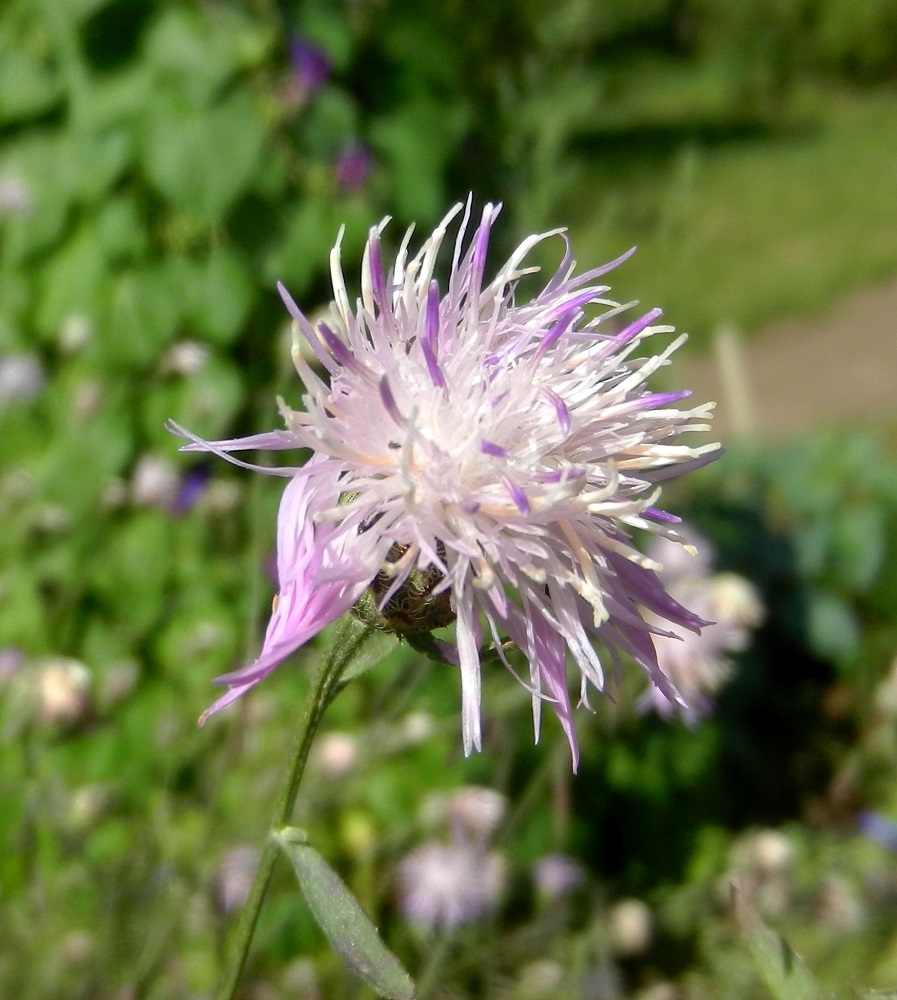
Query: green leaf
{"points": [[859, 545], [119, 229], [28, 86], [781, 969], [418, 152], [220, 294], [94, 160], [140, 317], [343, 921], [184, 48], [299, 257], [331, 118], [833, 630], [36, 158], [201, 160], [130, 573], [70, 282], [374, 650], [205, 402]]}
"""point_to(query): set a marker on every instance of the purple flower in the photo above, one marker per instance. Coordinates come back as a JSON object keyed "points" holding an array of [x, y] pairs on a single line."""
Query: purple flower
{"points": [[353, 167], [481, 459], [310, 69], [557, 876], [190, 490], [444, 886], [700, 665], [878, 828]]}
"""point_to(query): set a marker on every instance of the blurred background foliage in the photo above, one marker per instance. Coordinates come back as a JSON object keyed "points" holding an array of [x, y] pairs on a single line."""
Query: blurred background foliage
{"points": [[162, 164]]}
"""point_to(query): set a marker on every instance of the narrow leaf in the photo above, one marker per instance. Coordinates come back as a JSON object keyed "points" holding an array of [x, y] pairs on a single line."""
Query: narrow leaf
{"points": [[357, 648], [343, 921], [779, 966]]}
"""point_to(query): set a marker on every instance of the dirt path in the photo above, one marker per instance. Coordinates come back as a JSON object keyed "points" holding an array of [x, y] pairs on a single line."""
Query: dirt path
{"points": [[827, 369]]}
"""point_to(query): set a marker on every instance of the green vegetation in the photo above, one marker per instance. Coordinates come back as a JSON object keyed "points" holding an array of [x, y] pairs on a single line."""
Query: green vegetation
{"points": [[753, 228], [162, 164]]}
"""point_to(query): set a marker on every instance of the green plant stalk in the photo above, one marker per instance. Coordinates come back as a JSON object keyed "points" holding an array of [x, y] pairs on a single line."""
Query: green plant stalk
{"points": [[347, 642]]}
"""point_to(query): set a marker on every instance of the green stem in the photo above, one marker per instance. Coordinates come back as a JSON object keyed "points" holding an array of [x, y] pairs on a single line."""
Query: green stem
{"points": [[348, 640], [428, 980]]}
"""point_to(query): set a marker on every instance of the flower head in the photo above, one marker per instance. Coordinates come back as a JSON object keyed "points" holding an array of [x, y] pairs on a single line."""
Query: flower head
{"points": [[486, 455], [353, 167], [700, 665], [310, 70], [448, 885]]}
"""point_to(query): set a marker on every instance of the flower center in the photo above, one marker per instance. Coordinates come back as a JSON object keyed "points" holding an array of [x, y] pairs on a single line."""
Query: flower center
{"points": [[413, 608]]}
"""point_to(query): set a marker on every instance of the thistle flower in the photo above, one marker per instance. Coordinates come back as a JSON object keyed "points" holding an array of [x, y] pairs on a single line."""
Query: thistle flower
{"points": [[449, 885], [481, 459], [701, 665], [353, 167]]}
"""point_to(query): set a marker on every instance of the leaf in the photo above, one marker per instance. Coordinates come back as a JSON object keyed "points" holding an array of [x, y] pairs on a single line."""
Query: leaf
{"points": [[140, 317], [201, 160], [343, 921], [417, 154], [832, 628], [28, 85], [70, 282], [354, 647], [781, 969], [219, 292]]}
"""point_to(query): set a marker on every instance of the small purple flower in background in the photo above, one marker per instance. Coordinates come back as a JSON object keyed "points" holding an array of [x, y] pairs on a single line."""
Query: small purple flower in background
{"points": [[444, 886], [700, 665], [878, 828], [11, 661], [232, 881], [192, 486], [482, 458], [310, 69], [556, 876], [354, 164]]}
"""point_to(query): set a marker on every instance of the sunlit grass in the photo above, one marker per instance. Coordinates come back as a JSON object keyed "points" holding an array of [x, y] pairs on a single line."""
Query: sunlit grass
{"points": [[755, 228]]}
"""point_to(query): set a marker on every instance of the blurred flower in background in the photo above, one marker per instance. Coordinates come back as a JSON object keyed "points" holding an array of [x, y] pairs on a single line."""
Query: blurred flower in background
{"points": [[700, 664], [354, 164], [233, 877], [761, 866], [336, 754], [154, 482], [62, 688], [11, 660], [443, 886], [22, 378], [556, 876], [310, 69], [468, 442], [15, 196], [631, 927]]}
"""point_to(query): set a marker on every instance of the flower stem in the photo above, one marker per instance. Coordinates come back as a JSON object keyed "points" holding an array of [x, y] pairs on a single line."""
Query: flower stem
{"points": [[347, 642]]}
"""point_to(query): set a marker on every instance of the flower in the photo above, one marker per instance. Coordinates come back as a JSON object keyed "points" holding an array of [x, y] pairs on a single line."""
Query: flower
{"points": [[22, 379], [233, 878], [481, 459], [448, 885], [556, 876], [353, 167], [310, 70], [700, 665], [15, 196]]}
